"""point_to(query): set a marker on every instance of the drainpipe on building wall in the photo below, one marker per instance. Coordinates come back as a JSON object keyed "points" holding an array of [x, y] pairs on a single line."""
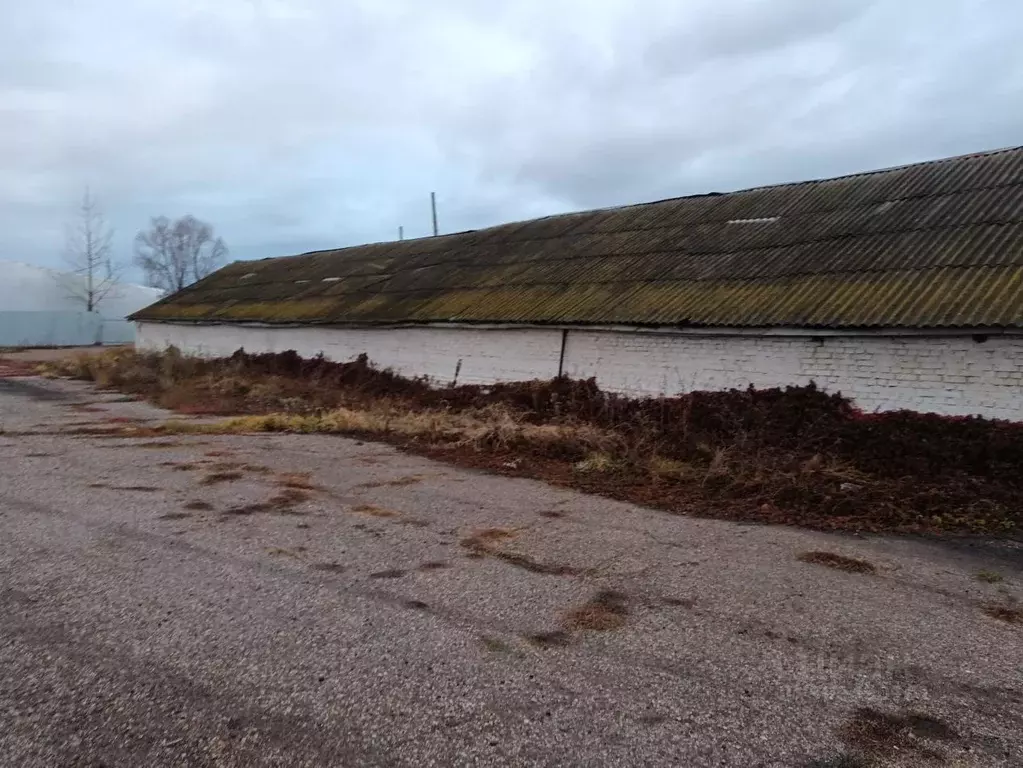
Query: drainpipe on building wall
{"points": [[561, 360]]}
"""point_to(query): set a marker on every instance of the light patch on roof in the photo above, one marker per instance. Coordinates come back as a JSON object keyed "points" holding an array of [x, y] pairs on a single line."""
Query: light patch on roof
{"points": [[764, 220], [331, 279]]}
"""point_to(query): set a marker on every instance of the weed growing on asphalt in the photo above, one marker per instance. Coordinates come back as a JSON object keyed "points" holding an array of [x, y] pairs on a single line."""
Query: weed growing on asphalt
{"points": [[215, 478], [1007, 612], [990, 577], [604, 611], [838, 562]]}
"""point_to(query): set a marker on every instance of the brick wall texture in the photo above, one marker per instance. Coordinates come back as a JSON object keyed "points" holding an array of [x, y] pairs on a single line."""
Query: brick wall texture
{"points": [[953, 375]]}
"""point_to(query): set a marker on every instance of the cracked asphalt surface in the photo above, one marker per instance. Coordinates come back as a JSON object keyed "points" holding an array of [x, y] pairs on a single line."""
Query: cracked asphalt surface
{"points": [[296, 600]]}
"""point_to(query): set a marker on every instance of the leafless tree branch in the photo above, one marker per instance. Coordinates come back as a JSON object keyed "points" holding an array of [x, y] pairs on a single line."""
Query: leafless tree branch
{"points": [[173, 254], [93, 274]]}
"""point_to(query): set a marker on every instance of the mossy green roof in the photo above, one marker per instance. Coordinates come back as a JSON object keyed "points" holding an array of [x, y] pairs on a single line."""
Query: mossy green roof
{"points": [[930, 245]]}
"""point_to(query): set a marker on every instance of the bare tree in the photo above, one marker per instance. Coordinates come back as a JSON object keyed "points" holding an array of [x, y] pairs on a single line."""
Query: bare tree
{"points": [[173, 254], [93, 274]]}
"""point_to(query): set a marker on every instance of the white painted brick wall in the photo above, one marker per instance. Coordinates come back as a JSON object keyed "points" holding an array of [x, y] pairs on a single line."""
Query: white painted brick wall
{"points": [[952, 375], [487, 356]]}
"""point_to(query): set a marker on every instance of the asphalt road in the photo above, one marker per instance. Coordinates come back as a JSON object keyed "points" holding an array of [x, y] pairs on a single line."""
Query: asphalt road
{"points": [[177, 602]]}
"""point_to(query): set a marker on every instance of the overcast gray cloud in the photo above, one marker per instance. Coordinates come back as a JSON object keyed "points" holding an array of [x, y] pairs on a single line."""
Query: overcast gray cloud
{"points": [[301, 124]]}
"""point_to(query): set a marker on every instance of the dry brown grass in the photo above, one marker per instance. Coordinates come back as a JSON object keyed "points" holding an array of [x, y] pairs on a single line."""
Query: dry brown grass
{"points": [[396, 483], [294, 552], [1009, 613], [289, 497], [487, 537], [838, 562], [182, 466], [493, 429], [527, 563], [485, 544], [104, 431], [241, 466], [223, 466], [990, 577], [297, 480], [605, 611], [373, 511], [376, 419], [390, 573], [175, 516], [680, 602], [480, 543], [283, 503], [495, 645], [328, 567], [880, 736], [251, 508], [672, 469], [434, 565], [600, 462], [137, 488], [557, 638], [215, 478]]}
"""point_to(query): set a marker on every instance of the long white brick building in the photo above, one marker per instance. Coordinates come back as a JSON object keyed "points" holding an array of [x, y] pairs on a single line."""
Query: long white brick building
{"points": [[900, 288]]}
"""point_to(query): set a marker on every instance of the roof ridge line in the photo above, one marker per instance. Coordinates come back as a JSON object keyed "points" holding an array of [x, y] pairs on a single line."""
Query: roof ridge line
{"points": [[743, 190]]}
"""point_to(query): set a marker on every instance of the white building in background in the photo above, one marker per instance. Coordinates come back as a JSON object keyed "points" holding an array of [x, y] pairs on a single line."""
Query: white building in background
{"points": [[900, 288], [39, 307]]}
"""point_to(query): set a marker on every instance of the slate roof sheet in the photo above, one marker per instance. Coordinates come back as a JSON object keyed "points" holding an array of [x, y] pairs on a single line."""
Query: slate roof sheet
{"points": [[930, 245]]}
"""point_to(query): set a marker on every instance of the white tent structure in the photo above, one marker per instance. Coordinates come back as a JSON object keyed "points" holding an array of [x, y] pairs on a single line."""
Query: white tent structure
{"points": [[43, 307]]}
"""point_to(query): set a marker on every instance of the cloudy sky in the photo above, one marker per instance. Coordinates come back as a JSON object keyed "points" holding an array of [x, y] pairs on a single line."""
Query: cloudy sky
{"points": [[293, 125]]}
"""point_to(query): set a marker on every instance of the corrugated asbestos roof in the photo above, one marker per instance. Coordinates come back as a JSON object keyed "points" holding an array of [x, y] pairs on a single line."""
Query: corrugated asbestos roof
{"points": [[930, 245]]}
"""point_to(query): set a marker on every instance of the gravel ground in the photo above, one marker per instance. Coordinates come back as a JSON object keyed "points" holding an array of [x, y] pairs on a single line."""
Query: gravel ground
{"points": [[163, 604]]}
